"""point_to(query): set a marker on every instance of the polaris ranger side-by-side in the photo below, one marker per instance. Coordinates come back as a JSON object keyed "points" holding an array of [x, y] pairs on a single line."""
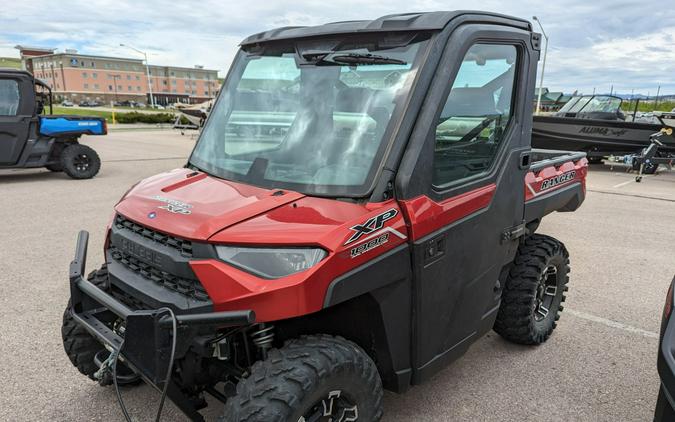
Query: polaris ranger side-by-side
{"points": [[31, 139], [360, 207]]}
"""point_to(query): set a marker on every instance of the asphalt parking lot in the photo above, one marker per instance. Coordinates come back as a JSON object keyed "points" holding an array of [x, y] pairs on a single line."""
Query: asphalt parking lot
{"points": [[600, 364]]}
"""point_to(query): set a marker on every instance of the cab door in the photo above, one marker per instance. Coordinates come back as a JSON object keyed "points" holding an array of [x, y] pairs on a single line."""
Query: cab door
{"points": [[461, 185], [17, 106]]}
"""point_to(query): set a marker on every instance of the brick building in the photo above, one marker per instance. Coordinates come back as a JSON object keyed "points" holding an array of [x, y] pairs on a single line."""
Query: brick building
{"points": [[81, 77]]}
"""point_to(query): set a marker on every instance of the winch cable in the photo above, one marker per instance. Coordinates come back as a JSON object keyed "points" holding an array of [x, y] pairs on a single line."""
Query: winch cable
{"points": [[167, 379]]}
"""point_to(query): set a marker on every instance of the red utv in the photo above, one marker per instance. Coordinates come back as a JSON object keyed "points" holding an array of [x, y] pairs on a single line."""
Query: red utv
{"points": [[361, 207]]}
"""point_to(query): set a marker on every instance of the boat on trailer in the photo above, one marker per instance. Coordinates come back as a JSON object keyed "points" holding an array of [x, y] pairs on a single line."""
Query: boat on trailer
{"points": [[596, 125]]}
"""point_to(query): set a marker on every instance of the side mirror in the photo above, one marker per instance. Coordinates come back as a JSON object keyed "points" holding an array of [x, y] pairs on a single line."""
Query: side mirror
{"points": [[39, 107]]}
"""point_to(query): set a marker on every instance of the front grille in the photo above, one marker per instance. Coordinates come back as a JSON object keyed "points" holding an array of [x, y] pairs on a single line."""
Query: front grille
{"points": [[181, 245], [184, 286], [129, 300]]}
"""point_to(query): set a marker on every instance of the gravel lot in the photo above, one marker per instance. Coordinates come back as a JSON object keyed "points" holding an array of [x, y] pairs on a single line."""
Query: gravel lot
{"points": [[600, 365]]}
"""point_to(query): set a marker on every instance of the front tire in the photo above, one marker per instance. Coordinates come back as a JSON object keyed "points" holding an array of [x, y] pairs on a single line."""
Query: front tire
{"points": [[534, 291], [80, 161], [79, 345], [313, 378]]}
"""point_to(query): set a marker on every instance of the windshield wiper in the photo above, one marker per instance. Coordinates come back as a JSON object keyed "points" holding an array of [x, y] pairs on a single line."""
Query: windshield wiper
{"points": [[349, 59], [356, 58]]}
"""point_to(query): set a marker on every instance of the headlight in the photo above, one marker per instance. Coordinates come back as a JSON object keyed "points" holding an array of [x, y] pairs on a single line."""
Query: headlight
{"points": [[271, 262]]}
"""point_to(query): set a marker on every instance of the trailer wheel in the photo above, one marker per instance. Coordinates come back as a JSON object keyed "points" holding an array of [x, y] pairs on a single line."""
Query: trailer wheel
{"points": [[80, 161], [313, 378], [534, 290]]}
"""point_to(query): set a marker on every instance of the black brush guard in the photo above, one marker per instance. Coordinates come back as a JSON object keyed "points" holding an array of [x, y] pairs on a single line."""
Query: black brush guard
{"points": [[146, 345]]}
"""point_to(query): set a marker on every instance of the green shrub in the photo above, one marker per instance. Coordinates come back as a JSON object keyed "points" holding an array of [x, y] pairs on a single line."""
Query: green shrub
{"points": [[136, 117]]}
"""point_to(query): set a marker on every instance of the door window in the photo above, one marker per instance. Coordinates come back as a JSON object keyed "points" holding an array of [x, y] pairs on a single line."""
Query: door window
{"points": [[476, 113], [9, 97]]}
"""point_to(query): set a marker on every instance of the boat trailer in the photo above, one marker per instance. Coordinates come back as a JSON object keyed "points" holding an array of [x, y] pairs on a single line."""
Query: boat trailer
{"points": [[651, 156]]}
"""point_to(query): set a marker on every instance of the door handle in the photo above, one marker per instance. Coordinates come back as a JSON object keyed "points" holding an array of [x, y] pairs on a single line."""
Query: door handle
{"points": [[434, 249]]}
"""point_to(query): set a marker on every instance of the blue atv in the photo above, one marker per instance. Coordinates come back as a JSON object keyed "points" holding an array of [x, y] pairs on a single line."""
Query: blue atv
{"points": [[30, 138]]}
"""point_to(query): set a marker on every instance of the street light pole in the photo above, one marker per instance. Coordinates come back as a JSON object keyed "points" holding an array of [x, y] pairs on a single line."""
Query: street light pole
{"points": [[543, 65], [147, 72], [115, 77]]}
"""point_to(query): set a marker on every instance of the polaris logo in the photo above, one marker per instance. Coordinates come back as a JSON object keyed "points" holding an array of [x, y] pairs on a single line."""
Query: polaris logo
{"points": [[558, 180], [173, 205], [372, 225]]}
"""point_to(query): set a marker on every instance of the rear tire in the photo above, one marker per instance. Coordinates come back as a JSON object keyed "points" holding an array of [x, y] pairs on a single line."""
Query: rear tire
{"points": [[79, 345], [80, 161], [533, 291], [304, 379]]}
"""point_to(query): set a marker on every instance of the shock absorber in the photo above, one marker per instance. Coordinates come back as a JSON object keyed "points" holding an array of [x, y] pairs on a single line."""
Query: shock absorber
{"points": [[262, 337]]}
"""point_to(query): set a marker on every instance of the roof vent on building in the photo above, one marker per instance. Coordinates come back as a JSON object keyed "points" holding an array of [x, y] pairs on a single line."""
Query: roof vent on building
{"points": [[71, 51], [198, 66]]}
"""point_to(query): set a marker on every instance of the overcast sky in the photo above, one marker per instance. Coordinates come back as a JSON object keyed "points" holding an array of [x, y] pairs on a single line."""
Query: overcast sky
{"points": [[628, 44]]}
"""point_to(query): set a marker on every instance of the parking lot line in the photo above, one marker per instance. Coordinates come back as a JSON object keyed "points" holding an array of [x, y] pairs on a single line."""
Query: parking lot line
{"points": [[613, 324], [618, 185]]}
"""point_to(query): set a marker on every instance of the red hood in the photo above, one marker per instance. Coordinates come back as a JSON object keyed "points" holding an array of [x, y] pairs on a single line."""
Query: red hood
{"points": [[211, 204], [214, 205]]}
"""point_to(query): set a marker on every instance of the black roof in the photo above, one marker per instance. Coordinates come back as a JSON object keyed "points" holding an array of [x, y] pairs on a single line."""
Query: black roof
{"points": [[5, 70], [400, 22]]}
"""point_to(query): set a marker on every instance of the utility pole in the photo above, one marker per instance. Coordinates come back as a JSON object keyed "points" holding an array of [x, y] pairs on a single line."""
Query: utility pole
{"points": [[147, 72], [543, 65], [656, 101]]}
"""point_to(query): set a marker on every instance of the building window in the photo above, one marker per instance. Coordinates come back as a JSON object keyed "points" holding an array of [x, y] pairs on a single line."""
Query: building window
{"points": [[129, 87], [173, 82], [92, 64], [128, 77], [94, 75], [206, 93], [164, 82], [86, 86], [138, 88], [84, 75], [96, 87], [109, 87], [138, 78], [119, 87]]}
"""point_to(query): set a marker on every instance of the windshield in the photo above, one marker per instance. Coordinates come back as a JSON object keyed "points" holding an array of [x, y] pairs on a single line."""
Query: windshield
{"points": [[314, 121], [592, 103]]}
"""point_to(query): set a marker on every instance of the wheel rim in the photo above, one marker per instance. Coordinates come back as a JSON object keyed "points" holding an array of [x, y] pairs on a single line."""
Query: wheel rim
{"points": [[546, 292], [334, 407], [81, 162]]}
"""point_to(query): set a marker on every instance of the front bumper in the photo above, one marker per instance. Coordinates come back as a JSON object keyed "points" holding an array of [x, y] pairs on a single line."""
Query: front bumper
{"points": [[147, 332]]}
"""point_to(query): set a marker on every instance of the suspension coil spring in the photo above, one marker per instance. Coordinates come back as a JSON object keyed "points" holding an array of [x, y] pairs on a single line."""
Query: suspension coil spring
{"points": [[263, 337]]}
